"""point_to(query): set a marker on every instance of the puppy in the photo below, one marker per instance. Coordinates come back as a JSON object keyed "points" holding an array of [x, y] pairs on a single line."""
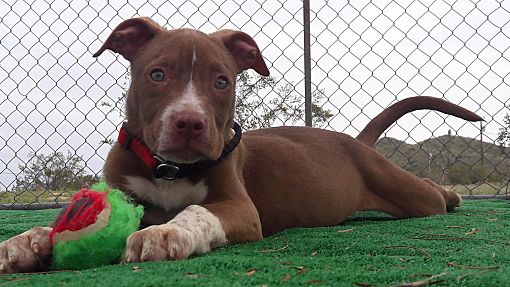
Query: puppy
{"points": [[205, 184]]}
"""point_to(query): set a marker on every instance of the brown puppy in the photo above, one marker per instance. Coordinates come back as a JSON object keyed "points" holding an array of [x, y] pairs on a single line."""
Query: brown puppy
{"points": [[180, 154]]}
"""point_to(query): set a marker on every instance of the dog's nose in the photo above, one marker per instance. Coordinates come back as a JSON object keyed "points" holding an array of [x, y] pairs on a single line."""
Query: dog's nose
{"points": [[190, 124]]}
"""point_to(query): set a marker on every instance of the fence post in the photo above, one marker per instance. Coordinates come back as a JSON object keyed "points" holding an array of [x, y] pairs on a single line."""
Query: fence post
{"points": [[307, 59]]}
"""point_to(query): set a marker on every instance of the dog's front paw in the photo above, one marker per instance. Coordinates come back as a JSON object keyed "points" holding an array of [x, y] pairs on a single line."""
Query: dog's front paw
{"points": [[27, 252], [157, 243]]}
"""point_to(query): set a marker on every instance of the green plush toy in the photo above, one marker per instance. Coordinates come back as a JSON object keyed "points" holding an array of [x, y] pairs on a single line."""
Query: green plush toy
{"points": [[93, 229]]}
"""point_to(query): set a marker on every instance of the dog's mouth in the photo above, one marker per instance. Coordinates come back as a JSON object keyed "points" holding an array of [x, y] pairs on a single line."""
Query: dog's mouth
{"points": [[180, 149], [186, 156]]}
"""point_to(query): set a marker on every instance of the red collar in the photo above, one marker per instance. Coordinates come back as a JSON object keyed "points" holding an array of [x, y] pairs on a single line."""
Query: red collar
{"points": [[129, 142], [167, 169]]}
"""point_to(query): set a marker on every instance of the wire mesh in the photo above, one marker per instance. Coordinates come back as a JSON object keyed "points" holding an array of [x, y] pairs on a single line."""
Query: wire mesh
{"points": [[60, 109]]}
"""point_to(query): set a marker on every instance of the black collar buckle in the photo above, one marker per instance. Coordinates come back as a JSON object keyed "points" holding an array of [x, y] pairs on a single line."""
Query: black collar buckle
{"points": [[165, 170]]}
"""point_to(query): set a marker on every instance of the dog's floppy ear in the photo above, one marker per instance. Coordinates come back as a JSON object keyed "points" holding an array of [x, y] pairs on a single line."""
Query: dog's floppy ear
{"points": [[130, 36], [244, 50]]}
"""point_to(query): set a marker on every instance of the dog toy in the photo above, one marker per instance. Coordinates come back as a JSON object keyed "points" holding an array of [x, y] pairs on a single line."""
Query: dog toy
{"points": [[93, 229]]}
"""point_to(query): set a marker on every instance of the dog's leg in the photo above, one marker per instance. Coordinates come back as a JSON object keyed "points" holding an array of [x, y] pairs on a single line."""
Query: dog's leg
{"points": [[452, 198], [193, 231], [27, 252], [196, 230], [400, 193]]}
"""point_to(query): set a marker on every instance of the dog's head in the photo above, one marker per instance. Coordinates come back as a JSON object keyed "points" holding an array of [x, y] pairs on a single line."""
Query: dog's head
{"points": [[182, 95]]}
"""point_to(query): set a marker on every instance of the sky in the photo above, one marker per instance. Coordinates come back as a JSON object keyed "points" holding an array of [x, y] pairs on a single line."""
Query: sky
{"points": [[365, 55]]}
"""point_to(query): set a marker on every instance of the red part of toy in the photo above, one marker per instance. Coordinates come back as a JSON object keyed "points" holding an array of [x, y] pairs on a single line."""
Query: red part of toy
{"points": [[83, 210]]}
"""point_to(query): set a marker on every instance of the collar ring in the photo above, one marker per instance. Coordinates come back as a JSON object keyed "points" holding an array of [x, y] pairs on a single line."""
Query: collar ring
{"points": [[165, 170]]}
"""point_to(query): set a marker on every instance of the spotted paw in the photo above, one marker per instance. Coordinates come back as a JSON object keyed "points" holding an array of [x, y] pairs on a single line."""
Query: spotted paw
{"points": [[27, 252], [157, 243]]}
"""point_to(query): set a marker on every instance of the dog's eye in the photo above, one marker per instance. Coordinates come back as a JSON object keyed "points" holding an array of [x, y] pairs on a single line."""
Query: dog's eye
{"points": [[157, 75], [221, 82]]}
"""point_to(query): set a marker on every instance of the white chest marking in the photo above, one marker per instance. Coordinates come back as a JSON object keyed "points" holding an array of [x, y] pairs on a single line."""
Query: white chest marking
{"points": [[169, 195]]}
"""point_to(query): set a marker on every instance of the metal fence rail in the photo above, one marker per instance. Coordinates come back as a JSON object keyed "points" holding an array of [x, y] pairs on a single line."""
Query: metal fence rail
{"points": [[60, 108]]}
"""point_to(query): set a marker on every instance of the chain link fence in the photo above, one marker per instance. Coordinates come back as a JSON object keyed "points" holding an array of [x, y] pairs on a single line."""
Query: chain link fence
{"points": [[60, 109]]}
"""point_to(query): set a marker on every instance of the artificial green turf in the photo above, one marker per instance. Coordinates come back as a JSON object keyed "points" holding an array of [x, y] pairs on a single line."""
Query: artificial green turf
{"points": [[469, 247]]}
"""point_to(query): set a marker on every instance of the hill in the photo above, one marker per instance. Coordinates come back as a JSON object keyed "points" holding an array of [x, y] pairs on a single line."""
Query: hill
{"points": [[449, 159]]}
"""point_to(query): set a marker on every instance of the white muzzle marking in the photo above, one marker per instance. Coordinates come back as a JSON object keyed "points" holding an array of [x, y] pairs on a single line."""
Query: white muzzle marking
{"points": [[187, 102]]}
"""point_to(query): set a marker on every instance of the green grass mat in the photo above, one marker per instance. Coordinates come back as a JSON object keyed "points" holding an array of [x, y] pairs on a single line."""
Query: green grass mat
{"points": [[469, 247]]}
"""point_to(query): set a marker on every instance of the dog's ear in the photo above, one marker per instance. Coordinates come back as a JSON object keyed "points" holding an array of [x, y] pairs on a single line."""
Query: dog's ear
{"points": [[244, 50], [130, 36]]}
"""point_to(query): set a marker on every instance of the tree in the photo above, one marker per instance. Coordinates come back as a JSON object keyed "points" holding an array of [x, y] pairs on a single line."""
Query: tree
{"points": [[52, 172], [504, 132], [262, 103]]}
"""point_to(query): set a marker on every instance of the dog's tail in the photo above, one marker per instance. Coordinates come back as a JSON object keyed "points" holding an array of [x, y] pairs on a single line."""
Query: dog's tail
{"points": [[386, 118]]}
